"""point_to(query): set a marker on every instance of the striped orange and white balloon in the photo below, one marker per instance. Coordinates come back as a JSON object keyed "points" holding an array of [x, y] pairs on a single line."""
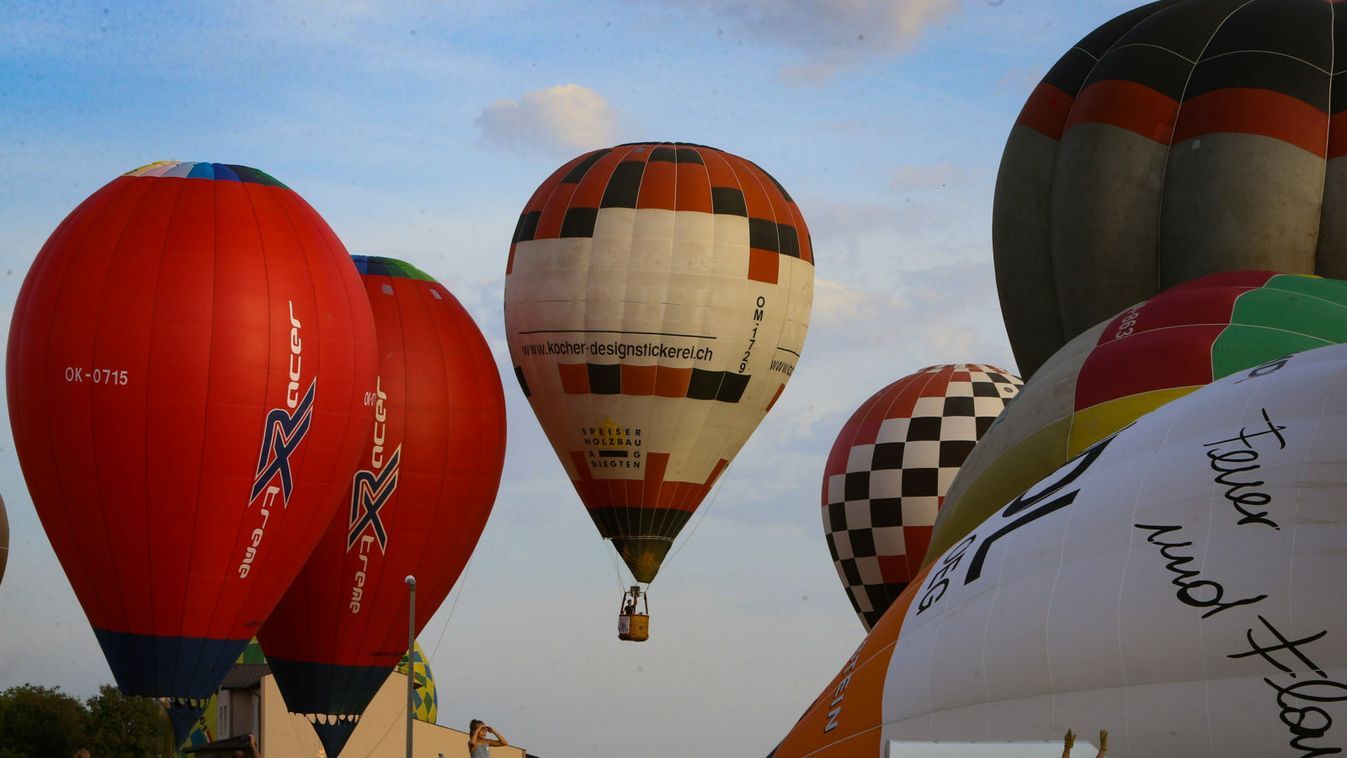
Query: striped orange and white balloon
{"points": [[656, 302]]}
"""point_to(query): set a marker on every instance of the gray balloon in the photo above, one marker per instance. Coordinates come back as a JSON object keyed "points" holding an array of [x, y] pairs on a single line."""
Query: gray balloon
{"points": [[1183, 138]]}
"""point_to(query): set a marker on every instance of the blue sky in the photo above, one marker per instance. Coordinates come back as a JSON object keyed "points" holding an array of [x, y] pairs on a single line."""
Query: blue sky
{"points": [[419, 131]]}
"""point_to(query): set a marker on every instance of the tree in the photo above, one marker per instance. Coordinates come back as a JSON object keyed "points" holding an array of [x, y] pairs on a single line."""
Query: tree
{"points": [[43, 722], [37, 722], [123, 725]]}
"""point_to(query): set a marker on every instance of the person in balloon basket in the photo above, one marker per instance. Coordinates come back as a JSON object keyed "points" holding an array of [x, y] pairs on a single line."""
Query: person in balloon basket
{"points": [[1070, 742], [481, 738]]}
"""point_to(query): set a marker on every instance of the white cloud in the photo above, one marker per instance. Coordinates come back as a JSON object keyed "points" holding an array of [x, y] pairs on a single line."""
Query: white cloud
{"points": [[564, 118], [833, 33]]}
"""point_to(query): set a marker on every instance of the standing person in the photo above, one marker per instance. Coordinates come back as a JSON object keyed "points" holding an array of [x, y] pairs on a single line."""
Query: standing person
{"points": [[479, 743]]}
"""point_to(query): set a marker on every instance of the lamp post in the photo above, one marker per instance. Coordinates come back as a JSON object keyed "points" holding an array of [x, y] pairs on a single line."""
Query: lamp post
{"points": [[411, 644]]}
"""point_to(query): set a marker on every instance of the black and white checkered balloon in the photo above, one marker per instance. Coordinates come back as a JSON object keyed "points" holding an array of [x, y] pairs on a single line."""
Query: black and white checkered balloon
{"points": [[889, 471]]}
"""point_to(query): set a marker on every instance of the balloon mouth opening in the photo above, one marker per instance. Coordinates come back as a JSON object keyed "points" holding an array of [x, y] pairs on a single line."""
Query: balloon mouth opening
{"points": [[183, 714], [333, 729], [330, 719], [643, 555]]}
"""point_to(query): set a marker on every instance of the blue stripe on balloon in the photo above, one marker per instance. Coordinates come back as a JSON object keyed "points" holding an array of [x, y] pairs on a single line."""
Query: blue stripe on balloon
{"points": [[183, 667], [327, 688]]}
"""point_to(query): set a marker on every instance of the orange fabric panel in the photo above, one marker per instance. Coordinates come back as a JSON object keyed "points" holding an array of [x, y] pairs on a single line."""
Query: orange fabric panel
{"points": [[589, 192], [718, 168], [545, 190], [756, 199], [639, 380], [716, 472], [657, 185], [937, 382], [672, 382], [574, 378], [776, 396], [763, 265], [554, 212], [693, 191]]}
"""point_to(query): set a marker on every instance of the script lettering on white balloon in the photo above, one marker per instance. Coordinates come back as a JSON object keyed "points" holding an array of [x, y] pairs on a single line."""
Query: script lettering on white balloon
{"points": [[1301, 698], [1302, 688], [1198, 593], [1235, 460]]}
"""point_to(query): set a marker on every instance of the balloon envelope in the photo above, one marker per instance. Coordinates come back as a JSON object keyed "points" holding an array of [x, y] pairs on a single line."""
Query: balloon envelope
{"points": [[415, 505], [1182, 138], [425, 696], [184, 374], [1141, 359], [890, 468], [1146, 587], [656, 301]]}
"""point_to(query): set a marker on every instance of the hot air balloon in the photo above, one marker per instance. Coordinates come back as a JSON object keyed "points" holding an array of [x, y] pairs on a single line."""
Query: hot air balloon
{"points": [[425, 697], [1182, 138], [415, 505], [4, 539], [657, 297], [890, 468], [1178, 584], [206, 728], [186, 365], [1141, 359]]}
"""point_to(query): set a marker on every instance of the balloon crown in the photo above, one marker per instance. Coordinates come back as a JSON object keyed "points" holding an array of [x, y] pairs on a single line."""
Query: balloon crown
{"points": [[227, 172]]}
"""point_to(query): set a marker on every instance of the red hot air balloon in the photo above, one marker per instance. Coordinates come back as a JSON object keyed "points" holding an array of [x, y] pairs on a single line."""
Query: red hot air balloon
{"points": [[416, 505], [184, 373]]}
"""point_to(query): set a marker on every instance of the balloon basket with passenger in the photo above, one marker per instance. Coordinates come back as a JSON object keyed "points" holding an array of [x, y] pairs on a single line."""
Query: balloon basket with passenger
{"points": [[633, 621]]}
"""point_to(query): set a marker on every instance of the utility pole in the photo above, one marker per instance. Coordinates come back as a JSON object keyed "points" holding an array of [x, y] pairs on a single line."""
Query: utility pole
{"points": [[411, 645]]}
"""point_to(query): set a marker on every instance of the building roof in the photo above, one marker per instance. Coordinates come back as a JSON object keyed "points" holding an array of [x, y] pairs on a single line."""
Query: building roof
{"points": [[245, 675]]}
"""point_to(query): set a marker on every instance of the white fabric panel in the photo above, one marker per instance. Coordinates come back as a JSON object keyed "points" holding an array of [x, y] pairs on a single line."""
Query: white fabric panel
{"points": [[666, 273], [1122, 591]]}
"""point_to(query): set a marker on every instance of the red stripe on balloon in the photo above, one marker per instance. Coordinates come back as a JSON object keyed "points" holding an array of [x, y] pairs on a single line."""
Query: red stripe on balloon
{"points": [[1046, 111], [652, 490], [1127, 105], [1112, 371], [1255, 111]]}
